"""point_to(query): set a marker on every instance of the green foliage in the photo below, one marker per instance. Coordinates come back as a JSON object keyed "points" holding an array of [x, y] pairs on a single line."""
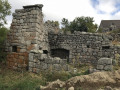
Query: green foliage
{"points": [[3, 34], [100, 30], [12, 80], [65, 24], [4, 11], [56, 23], [52, 76], [62, 75], [79, 24]]}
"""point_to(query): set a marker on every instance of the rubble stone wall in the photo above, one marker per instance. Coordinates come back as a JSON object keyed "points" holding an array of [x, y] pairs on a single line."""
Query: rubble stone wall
{"points": [[83, 47], [116, 37], [38, 61], [51, 26]]}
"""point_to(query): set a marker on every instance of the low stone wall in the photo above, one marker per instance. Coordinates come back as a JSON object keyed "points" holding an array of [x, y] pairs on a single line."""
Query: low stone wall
{"points": [[42, 62]]}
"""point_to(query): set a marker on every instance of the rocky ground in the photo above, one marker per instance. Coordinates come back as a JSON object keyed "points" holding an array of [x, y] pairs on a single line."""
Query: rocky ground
{"points": [[94, 81]]}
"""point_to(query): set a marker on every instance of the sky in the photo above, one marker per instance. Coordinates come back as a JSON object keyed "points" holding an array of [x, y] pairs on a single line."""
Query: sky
{"points": [[69, 9]]}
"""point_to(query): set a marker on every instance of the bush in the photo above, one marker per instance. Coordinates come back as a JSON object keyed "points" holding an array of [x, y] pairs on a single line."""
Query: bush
{"points": [[3, 35]]}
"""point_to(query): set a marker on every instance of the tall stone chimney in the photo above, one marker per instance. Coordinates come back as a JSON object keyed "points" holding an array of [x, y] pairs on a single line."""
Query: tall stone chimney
{"points": [[26, 33]]}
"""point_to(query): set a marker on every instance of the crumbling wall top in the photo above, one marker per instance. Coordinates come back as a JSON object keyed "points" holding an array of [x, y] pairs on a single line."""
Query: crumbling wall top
{"points": [[31, 6]]}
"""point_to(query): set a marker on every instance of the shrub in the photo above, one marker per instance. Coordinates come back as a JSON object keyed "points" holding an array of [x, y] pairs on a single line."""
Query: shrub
{"points": [[3, 35]]}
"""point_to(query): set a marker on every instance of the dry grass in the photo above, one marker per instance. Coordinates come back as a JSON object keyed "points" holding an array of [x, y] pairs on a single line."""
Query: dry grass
{"points": [[115, 42]]}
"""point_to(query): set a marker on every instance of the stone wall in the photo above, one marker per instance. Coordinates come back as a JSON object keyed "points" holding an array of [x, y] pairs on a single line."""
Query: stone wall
{"points": [[38, 61], [83, 47], [33, 44], [116, 37], [26, 33], [105, 64], [51, 26]]}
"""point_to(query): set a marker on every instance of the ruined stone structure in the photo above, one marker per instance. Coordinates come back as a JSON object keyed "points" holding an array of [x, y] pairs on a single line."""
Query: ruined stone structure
{"points": [[109, 25], [27, 33], [81, 46], [33, 44]]}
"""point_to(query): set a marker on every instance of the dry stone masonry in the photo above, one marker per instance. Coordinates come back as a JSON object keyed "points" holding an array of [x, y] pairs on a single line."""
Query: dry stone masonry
{"points": [[81, 46], [36, 45], [27, 33], [105, 64], [38, 61]]}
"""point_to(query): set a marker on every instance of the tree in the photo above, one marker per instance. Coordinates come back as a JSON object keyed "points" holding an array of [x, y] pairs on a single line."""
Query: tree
{"points": [[79, 24], [4, 11], [3, 34], [65, 24]]}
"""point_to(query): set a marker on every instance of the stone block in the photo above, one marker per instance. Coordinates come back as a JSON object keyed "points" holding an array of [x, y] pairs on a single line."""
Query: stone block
{"points": [[100, 67], [108, 68], [22, 50], [34, 42], [48, 61], [107, 61], [40, 51], [31, 64], [43, 56], [55, 61], [44, 66], [57, 67], [28, 42], [21, 57], [31, 56]]}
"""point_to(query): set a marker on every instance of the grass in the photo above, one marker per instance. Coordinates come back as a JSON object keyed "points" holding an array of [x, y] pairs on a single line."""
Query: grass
{"points": [[63, 76], [13, 80]]}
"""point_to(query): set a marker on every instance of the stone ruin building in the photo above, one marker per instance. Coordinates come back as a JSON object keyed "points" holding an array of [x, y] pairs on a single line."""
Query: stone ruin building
{"points": [[33, 44], [109, 25]]}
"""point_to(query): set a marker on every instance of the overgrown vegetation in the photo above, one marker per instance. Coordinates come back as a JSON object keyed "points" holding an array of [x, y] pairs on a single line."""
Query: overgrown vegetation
{"points": [[85, 24], [13, 80], [3, 34], [117, 62], [115, 31], [4, 11]]}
